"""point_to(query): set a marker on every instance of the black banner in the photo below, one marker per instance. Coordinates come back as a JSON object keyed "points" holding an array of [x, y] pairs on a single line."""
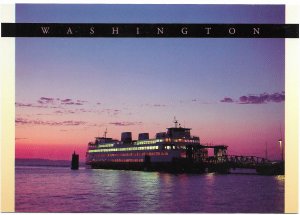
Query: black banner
{"points": [[157, 30]]}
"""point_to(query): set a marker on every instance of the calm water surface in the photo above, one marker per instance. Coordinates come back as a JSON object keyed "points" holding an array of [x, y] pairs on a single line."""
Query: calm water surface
{"points": [[58, 189]]}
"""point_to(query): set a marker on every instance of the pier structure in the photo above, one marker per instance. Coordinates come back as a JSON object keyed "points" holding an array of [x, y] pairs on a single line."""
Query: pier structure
{"points": [[75, 161], [222, 162]]}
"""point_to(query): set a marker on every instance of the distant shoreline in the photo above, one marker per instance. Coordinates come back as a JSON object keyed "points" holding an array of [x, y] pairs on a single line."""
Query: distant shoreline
{"points": [[44, 162]]}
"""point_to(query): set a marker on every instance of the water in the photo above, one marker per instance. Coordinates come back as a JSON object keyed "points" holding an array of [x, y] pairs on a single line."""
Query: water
{"points": [[58, 189]]}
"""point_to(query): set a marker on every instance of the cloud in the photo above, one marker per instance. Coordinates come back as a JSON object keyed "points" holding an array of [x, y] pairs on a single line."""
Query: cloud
{"points": [[81, 110], [257, 99], [262, 98], [63, 130], [115, 112], [84, 110], [196, 101], [277, 97], [19, 104], [155, 105], [22, 121], [227, 99], [64, 112], [71, 102], [125, 123], [46, 100], [81, 101], [159, 105], [66, 100], [109, 111], [93, 124]]}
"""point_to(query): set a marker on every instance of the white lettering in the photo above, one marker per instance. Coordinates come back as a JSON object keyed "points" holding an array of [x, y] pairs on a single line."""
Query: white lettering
{"points": [[92, 30], [160, 31], [207, 30], [184, 30], [45, 30], [256, 31], [231, 31], [69, 31], [115, 30]]}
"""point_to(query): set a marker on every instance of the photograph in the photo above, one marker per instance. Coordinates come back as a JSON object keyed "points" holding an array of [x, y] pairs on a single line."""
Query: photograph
{"points": [[149, 108]]}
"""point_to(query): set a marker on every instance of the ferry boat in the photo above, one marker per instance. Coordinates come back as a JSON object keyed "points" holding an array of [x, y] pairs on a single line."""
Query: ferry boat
{"points": [[172, 150]]}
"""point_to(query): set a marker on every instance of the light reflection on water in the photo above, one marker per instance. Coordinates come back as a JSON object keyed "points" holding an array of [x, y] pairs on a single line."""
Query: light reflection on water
{"points": [[47, 189]]}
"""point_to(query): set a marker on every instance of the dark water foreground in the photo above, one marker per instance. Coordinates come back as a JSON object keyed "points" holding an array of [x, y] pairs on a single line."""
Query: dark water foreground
{"points": [[59, 189]]}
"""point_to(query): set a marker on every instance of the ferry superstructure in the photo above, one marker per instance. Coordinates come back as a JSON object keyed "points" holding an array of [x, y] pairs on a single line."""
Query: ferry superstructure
{"points": [[164, 152]]}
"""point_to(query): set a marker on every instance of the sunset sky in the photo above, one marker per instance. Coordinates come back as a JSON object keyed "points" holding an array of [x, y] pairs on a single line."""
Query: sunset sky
{"points": [[68, 91]]}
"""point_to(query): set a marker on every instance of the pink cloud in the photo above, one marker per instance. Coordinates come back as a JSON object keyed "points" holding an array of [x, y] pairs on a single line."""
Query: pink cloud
{"points": [[125, 123], [22, 121]]}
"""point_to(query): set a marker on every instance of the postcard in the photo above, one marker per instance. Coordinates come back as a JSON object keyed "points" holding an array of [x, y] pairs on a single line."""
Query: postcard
{"points": [[149, 108]]}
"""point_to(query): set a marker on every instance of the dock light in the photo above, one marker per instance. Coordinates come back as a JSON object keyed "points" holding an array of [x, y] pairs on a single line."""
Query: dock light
{"points": [[281, 148]]}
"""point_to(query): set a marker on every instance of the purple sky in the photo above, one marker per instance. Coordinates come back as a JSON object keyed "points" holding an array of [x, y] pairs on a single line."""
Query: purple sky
{"points": [[229, 91]]}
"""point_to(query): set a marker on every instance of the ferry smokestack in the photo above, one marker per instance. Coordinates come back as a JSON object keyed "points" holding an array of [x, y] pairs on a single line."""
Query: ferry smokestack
{"points": [[126, 137], [75, 161], [143, 136], [161, 135]]}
